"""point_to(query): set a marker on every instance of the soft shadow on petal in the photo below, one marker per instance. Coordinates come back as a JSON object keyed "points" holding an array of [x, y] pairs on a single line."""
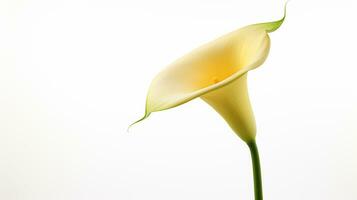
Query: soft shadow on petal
{"points": [[207, 68], [210, 67]]}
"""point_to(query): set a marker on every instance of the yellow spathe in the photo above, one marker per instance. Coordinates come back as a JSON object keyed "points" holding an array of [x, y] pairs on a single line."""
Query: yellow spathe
{"points": [[216, 72], [232, 103]]}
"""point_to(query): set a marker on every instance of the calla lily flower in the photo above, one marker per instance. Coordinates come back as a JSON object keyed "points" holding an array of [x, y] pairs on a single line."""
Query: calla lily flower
{"points": [[217, 73]]}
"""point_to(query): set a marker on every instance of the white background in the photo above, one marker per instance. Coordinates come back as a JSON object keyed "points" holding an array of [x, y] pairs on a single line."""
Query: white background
{"points": [[74, 75]]}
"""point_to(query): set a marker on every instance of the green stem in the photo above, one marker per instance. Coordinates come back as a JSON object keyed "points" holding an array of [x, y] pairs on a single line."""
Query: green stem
{"points": [[258, 188]]}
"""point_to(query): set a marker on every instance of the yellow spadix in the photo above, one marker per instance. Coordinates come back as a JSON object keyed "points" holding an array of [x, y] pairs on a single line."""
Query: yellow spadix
{"points": [[217, 73]]}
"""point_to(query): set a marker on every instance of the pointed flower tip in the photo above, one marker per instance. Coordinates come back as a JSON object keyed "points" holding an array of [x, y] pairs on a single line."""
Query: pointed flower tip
{"points": [[273, 26], [146, 115]]}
